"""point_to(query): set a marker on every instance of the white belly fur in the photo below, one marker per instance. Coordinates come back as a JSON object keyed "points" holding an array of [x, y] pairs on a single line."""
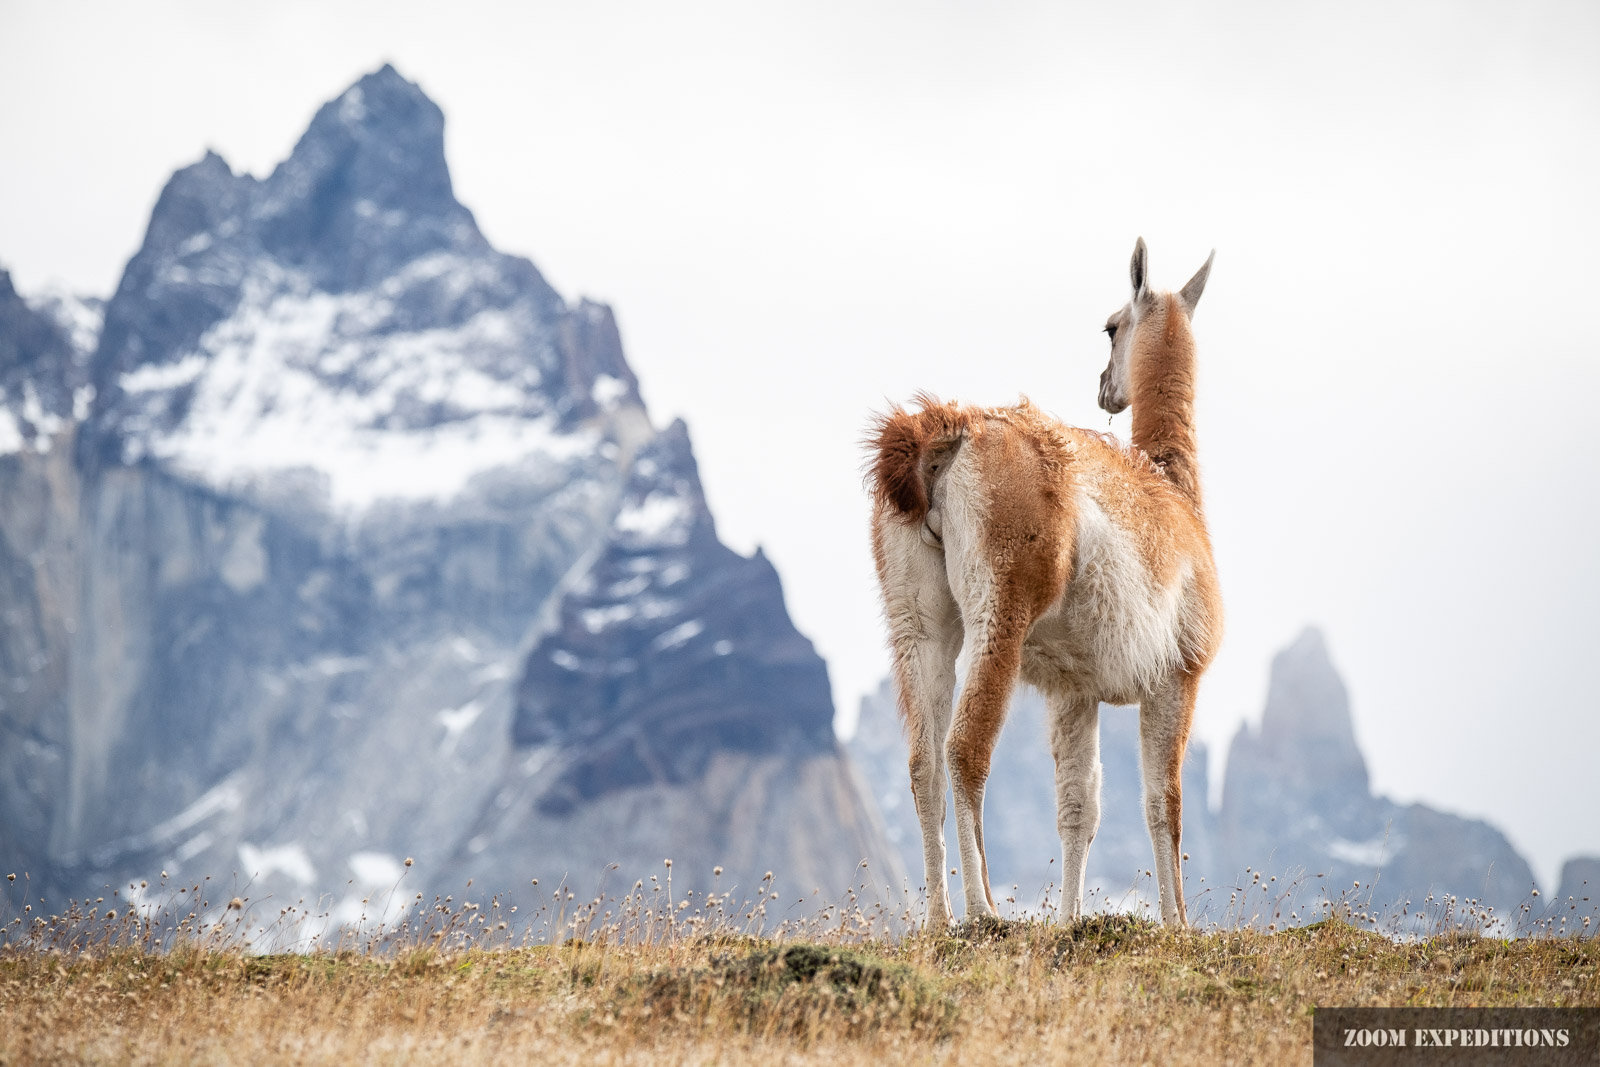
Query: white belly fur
{"points": [[1114, 631]]}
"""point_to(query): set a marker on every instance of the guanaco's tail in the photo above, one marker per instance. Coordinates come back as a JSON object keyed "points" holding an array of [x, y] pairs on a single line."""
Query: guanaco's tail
{"points": [[906, 447]]}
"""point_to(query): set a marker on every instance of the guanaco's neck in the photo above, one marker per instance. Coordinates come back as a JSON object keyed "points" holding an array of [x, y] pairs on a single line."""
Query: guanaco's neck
{"points": [[1163, 398]]}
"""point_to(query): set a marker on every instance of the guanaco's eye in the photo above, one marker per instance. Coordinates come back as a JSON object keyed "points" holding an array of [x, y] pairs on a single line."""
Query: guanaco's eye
{"points": [[1111, 330]]}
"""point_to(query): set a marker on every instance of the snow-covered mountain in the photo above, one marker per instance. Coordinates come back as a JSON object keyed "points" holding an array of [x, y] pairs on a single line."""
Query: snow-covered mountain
{"points": [[348, 539], [45, 345], [340, 337]]}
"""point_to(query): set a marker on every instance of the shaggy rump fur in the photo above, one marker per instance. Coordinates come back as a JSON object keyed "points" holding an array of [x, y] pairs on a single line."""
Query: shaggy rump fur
{"points": [[899, 441]]}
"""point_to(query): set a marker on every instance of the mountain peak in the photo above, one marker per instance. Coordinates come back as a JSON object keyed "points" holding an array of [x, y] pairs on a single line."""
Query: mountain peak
{"points": [[27, 339], [196, 199], [1307, 719], [343, 459], [369, 173], [382, 118], [386, 98]]}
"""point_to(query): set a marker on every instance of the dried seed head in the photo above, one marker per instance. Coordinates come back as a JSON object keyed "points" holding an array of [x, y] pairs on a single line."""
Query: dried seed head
{"points": [[235, 904], [409, 861], [717, 872]]}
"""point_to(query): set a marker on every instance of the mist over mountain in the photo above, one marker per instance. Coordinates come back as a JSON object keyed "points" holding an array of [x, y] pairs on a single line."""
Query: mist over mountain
{"points": [[1297, 808], [346, 539]]}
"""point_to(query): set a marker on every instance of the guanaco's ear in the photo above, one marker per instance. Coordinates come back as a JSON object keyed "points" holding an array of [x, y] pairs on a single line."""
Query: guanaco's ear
{"points": [[1139, 271], [1190, 294]]}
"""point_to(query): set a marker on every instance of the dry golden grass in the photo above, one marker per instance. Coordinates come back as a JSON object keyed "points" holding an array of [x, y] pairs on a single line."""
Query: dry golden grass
{"points": [[1106, 989]]}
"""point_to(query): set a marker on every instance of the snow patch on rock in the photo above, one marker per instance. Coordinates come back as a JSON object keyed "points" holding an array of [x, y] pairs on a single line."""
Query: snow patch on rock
{"points": [[660, 518], [290, 859], [303, 381]]}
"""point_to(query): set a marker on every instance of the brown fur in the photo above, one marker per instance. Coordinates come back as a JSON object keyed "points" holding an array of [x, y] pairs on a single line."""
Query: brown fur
{"points": [[1032, 469], [1163, 397], [904, 444], [1172, 786], [1028, 537]]}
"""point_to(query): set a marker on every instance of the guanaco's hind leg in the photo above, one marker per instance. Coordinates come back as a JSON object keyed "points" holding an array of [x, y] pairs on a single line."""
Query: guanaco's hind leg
{"points": [[925, 636], [1007, 546], [994, 656], [1164, 720], [1075, 744]]}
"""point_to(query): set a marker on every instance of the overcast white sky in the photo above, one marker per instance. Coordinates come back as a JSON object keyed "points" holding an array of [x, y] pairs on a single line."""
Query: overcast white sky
{"points": [[798, 214]]}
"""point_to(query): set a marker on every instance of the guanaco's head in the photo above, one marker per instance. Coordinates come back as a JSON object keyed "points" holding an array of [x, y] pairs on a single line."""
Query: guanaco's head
{"points": [[1142, 312]]}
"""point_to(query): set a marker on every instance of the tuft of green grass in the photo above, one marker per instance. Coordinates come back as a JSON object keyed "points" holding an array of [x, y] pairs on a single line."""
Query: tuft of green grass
{"points": [[801, 991]]}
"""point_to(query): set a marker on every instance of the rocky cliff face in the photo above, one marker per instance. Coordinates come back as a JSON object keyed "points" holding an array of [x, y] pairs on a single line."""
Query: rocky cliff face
{"points": [[296, 550], [44, 373], [1296, 806], [42, 366], [672, 709]]}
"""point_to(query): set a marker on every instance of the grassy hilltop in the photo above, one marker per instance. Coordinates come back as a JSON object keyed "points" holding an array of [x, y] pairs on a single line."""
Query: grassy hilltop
{"points": [[1106, 989]]}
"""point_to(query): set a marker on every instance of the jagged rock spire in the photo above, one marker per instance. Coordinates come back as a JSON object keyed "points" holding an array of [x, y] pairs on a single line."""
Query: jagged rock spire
{"points": [[366, 187], [352, 269], [1306, 726]]}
